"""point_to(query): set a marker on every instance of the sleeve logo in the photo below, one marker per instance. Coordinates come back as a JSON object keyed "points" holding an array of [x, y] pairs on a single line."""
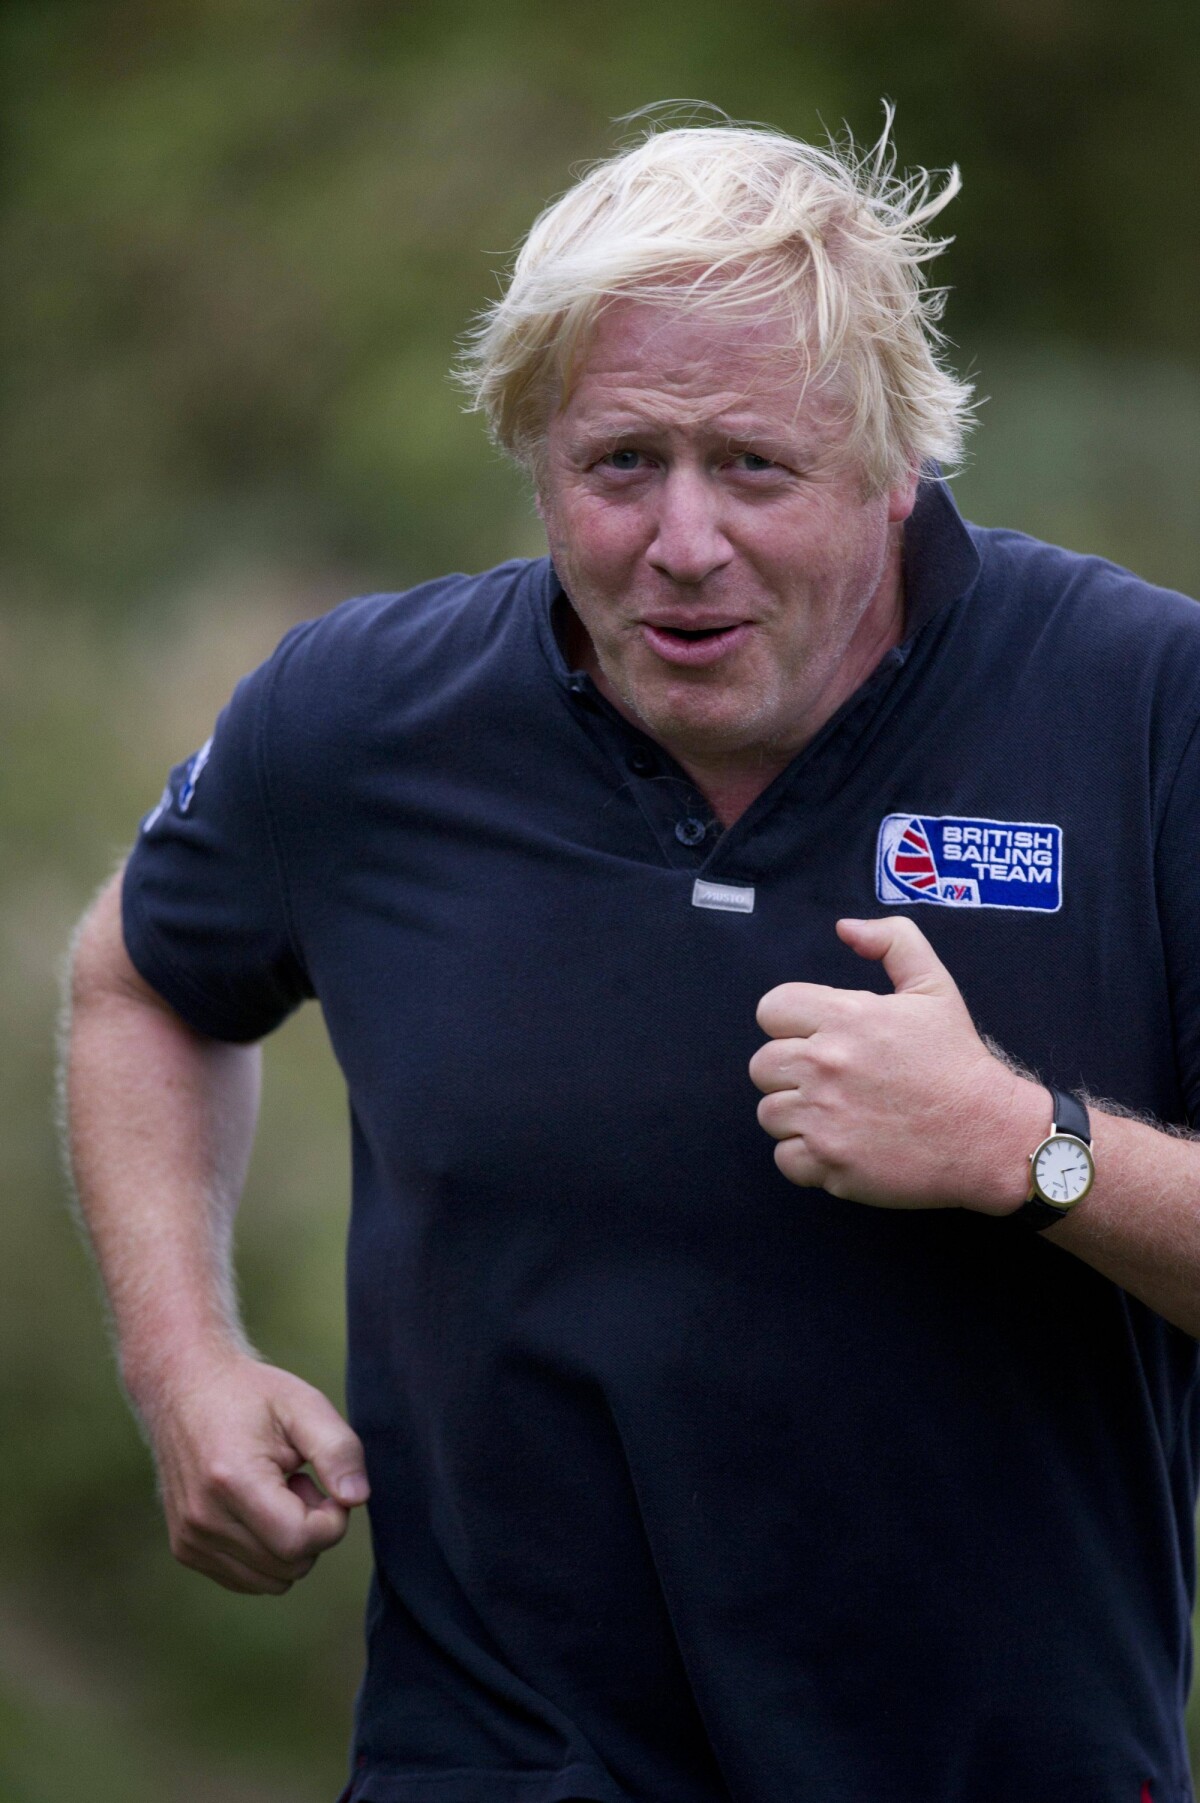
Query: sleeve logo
{"points": [[189, 775], [959, 863]]}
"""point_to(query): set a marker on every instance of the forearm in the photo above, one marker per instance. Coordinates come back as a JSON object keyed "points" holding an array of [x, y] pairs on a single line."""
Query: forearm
{"points": [[895, 1102], [1140, 1222], [160, 1125]]}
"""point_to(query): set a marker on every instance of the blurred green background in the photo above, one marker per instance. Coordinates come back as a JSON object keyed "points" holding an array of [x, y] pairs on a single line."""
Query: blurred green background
{"points": [[239, 238]]}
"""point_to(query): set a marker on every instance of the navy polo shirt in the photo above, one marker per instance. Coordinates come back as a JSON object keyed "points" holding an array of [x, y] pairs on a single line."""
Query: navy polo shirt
{"points": [[690, 1486]]}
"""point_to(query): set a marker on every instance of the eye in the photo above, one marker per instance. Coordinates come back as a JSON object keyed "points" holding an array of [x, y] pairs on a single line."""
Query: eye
{"points": [[623, 459], [753, 463]]}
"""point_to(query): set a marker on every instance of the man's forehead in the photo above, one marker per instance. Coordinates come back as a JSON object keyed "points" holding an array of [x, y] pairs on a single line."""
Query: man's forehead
{"points": [[688, 373], [618, 407], [800, 441], [723, 420], [683, 343]]}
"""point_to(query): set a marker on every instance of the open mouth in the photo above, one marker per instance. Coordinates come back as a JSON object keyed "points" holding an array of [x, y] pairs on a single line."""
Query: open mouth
{"points": [[694, 644]]}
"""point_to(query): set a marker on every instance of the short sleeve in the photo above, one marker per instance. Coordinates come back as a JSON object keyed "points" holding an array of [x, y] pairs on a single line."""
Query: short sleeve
{"points": [[205, 906], [1178, 887]]}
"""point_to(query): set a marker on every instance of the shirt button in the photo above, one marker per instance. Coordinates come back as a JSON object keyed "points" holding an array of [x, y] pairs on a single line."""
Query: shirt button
{"points": [[641, 761], [689, 830]]}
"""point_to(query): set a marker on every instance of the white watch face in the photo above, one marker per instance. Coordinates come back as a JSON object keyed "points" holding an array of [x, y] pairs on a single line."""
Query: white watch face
{"points": [[1063, 1169]]}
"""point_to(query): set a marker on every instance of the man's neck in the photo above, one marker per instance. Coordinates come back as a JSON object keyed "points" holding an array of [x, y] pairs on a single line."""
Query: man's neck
{"points": [[729, 792]]}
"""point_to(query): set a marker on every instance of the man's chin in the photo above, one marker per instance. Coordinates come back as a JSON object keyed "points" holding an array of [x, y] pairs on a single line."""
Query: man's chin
{"points": [[700, 729]]}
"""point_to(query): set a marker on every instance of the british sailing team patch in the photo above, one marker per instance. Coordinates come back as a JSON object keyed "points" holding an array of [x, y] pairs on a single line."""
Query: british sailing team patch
{"points": [[960, 863]]}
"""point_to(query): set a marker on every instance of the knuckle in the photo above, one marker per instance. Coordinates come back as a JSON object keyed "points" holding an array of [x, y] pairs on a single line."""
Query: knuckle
{"points": [[189, 1548], [795, 1161], [768, 1073], [787, 1061], [776, 1006], [832, 1055], [220, 1479], [855, 1008], [191, 1527], [296, 1542], [774, 1115], [833, 1143], [766, 1008], [325, 1531], [307, 1547], [285, 1541]]}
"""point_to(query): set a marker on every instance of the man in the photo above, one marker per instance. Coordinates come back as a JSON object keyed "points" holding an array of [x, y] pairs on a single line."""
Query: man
{"points": [[867, 1474]]}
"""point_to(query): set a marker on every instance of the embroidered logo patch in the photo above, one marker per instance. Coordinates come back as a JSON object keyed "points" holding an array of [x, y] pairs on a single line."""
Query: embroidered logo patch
{"points": [[192, 772], [192, 775], [959, 863]]}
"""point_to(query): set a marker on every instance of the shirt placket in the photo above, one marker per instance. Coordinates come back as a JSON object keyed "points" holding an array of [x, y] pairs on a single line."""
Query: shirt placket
{"points": [[680, 818]]}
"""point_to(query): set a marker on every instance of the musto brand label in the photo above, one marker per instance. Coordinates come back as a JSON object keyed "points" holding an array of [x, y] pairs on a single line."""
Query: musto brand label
{"points": [[969, 863]]}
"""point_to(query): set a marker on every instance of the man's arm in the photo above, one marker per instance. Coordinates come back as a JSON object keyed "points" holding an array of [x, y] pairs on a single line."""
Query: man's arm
{"points": [[897, 1102], [161, 1122]]}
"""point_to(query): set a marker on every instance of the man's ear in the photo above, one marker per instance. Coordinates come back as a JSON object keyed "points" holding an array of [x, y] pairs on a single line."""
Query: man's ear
{"points": [[902, 496]]}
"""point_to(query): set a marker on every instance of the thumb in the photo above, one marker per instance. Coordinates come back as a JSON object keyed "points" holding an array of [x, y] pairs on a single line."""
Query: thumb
{"points": [[907, 956], [332, 1448]]}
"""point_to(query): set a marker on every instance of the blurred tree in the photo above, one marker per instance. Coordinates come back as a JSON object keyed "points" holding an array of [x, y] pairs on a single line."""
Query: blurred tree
{"points": [[240, 240]]}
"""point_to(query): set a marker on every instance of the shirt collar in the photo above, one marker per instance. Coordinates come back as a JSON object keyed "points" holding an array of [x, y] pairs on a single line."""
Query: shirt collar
{"points": [[940, 559]]}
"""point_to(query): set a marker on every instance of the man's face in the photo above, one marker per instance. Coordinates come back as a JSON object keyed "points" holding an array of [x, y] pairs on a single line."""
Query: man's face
{"points": [[734, 581]]}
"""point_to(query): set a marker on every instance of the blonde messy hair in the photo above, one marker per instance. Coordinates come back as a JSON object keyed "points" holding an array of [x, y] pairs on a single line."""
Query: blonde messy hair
{"points": [[739, 221]]}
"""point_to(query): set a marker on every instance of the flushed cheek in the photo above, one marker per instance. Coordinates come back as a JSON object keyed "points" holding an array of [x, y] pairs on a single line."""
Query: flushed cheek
{"points": [[596, 523], [601, 564]]}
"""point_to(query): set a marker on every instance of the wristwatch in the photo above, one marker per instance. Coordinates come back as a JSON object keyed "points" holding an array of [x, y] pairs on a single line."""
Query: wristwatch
{"points": [[1062, 1169]]}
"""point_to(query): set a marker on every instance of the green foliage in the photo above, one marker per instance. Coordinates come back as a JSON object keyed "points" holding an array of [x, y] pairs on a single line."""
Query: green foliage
{"points": [[239, 240]]}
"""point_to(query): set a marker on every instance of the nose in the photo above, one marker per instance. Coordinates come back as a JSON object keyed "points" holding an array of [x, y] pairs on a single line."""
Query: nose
{"points": [[689, 542]]}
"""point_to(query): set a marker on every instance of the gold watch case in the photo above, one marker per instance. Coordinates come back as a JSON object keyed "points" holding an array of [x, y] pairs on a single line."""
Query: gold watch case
{"points": [[1061, 1171]]}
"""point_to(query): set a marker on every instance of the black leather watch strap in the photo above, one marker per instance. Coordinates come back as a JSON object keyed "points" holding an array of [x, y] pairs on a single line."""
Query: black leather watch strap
{"points": [[1038, 1214], [1070, 1116]]}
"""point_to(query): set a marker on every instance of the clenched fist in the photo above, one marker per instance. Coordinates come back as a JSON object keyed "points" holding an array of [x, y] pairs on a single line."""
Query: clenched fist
{"points": [[231, 1442], [894, 1100]]}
